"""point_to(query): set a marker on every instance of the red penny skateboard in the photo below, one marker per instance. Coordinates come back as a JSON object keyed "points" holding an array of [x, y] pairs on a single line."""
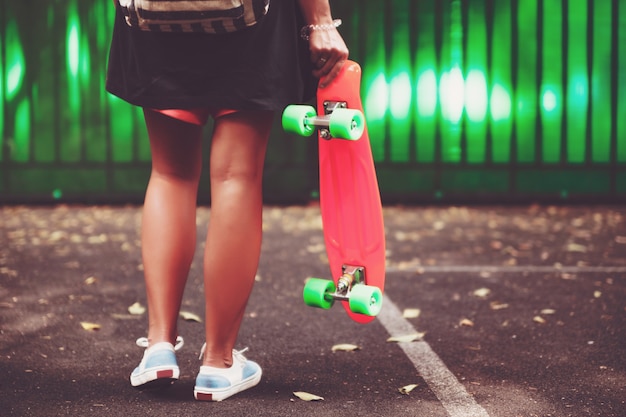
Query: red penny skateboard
{"points": [[349, 198]]}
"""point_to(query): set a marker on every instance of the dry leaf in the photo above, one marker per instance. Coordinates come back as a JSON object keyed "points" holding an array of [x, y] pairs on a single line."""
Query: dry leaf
{"points": [[406, 390], [136, 309], [94, 240], [90, 327], [186, 315], [575, 247], [91, 280], [466, 322], [406, 338], [482, 292], [496, 305], [305, 396], [345, 347], [411, 313]]}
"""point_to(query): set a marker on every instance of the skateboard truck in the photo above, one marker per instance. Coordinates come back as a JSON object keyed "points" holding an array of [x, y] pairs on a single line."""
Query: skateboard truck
{"points": [[351, 288], [337, 122], [351, 275], [324, 121]]}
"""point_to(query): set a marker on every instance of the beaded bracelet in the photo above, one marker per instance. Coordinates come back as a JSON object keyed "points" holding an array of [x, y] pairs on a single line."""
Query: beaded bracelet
{"points": [[305, 32]]}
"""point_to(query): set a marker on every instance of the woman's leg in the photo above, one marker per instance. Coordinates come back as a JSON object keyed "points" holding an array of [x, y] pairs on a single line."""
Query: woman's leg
{"points": [[168, 233], [233, 242]]}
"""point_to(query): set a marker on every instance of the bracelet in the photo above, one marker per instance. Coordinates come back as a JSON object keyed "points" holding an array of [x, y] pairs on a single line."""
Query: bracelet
{"points": [[305, 32]]}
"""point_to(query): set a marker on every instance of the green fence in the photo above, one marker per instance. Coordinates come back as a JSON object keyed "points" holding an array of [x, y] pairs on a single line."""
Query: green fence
{"points": [[466, 100]]}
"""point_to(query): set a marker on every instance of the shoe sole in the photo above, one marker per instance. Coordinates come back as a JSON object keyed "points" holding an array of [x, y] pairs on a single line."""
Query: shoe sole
{"points": [[204, 394], [155, 378]]}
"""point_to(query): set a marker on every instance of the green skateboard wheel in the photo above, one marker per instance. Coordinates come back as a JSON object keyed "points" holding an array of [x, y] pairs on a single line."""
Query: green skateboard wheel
{"points": [[346, 124], [317, 293], [294, 119], [366, 299]]}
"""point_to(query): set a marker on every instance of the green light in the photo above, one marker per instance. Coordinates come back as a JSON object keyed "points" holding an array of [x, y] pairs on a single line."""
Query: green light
{"points": [[426, 92], [500, 103], [15, 62], [85, 62], [400, 100], [15, 77], [377, 99], [549, 101], [579, 90], [73, 50], [476, 96], [452, 95], [21, 150], [73, 61]]}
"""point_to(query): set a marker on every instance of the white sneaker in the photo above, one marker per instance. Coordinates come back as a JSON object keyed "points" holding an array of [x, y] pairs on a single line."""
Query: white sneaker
{"points": [[217, 384], [158, 366]]}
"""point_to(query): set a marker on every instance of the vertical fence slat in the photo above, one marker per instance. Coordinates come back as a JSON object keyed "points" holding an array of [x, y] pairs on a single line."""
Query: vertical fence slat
{"points": [[501, 86], [426, 83], [577, 86], [476, 95], [550, 91], [620, 88], [601, 82], [526, 103]]}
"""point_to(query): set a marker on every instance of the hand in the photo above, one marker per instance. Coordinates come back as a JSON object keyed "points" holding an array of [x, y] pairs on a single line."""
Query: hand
{"points": [[328, 54]]}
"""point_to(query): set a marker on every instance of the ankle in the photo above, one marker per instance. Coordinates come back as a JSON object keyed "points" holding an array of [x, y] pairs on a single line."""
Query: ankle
{"points": [[215, 358], [177, 342], [217, 363], [160, 337]]}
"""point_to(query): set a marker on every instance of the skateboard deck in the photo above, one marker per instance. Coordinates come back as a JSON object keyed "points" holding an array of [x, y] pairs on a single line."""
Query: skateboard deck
{"points": [[349, 199]]}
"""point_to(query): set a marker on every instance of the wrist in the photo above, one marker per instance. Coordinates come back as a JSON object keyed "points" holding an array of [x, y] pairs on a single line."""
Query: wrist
{"points": [[305, 32]]}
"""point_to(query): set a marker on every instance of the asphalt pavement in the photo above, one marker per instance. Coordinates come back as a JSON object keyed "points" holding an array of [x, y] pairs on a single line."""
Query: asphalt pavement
{"points": [[495, 310]]}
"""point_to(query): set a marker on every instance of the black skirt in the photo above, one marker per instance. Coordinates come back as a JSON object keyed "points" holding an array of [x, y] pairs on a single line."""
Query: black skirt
{"points": [[264, 67]]}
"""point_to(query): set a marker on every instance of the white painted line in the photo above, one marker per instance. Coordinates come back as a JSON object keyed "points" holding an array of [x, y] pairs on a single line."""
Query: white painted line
{"points": [[507, 269], [450, 392]]}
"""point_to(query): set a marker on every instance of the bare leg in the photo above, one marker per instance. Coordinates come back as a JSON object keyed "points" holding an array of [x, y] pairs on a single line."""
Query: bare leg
{"points": [[233, 242], [168, 233]]}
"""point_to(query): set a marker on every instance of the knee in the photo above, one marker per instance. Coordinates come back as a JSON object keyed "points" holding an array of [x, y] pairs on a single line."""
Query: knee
{"points": [[225, 172]]}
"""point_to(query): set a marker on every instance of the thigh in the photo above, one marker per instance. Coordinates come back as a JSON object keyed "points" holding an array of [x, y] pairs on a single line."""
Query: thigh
{"points": [[176, 146], [239, 144]]}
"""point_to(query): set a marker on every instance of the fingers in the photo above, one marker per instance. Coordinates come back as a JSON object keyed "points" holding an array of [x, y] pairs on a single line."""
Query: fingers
{"points": [[328, 54]]}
